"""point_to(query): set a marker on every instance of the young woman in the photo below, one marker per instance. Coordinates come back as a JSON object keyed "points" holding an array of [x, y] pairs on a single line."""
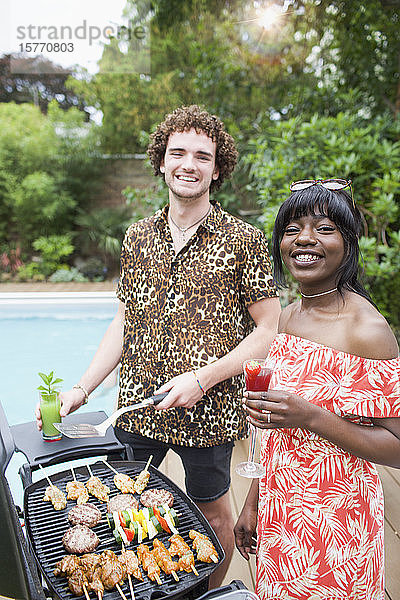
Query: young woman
{"points": [[333, 409]]}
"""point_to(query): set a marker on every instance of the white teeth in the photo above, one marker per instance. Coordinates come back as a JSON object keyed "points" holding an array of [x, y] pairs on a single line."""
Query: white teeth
{"points": [[306, 257], [186, 178]]}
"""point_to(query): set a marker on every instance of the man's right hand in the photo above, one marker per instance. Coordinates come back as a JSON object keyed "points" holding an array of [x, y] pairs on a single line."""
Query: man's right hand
{"points": [[70, 402]]}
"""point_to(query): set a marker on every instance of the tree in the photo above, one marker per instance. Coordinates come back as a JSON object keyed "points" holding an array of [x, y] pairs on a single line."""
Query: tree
{"points": [[367, 151], [37, 81]]}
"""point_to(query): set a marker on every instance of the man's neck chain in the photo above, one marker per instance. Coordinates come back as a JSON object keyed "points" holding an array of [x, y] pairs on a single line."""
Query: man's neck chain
{"points": [[183, 230], [317, 295]]}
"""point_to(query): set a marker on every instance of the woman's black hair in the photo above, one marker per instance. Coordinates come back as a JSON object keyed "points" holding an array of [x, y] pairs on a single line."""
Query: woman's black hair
{"points": [[338, 207]]}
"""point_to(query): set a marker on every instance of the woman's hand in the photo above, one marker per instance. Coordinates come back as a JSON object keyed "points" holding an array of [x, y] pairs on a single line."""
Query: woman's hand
{"points": [[70, 401], [246, 531], [278, 408]]}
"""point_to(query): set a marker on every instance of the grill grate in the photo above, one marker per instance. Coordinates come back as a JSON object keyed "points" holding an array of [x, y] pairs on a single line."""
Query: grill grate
{"points": [[46, 527]]}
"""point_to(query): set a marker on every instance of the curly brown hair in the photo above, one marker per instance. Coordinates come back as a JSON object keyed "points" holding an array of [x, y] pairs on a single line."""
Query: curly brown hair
{"points": [[185, 118]]}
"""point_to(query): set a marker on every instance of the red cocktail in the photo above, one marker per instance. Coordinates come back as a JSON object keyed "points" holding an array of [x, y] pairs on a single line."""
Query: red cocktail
{"points": [[257, 373]]}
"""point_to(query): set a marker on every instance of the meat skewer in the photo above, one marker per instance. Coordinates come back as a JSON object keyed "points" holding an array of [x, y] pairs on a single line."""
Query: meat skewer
{"points": [[92, 565], [129, 558], [164, 559], [76, 490], [122, 481], [92, 573], [53, 494], [97, 488], [143, 478], [149, 563], [178, 547], [113, 571], [206, 551]]}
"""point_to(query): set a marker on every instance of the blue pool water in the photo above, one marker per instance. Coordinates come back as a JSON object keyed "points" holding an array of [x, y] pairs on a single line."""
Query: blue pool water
{"points": [[50, 332]]}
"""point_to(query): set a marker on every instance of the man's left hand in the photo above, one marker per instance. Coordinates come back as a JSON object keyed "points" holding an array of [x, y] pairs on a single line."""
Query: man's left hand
{"points": [[183, 391]]}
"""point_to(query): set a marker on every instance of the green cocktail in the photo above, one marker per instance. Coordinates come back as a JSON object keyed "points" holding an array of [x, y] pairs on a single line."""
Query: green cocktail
{"points": [[50, 411]]}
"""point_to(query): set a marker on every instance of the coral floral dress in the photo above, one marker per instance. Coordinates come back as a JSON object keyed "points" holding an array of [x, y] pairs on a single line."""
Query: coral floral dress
{"points": [[320, 515]]}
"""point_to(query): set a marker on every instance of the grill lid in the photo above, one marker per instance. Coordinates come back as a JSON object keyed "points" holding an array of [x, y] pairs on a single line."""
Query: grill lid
{"points": [[46, 527]]}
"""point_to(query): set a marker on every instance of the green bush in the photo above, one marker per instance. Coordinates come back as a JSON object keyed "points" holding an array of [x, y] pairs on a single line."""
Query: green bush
{"points": [[366, 151], [52, 249], [67, 274]]}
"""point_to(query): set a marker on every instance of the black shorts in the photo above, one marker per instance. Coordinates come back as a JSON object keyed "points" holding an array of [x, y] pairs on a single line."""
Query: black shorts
{"points": [[207, 470]]}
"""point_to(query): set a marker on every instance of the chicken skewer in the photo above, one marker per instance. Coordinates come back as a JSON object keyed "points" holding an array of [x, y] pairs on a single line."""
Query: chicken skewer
{"points": [[206, 551], [92, 573], [178, 547], [53, 494], [113, 572], [164, 559], [76, 490], [71, 568], [122, 481], [92, 564], [143, 478], [149, 563], [131, 562], [95, 487]]}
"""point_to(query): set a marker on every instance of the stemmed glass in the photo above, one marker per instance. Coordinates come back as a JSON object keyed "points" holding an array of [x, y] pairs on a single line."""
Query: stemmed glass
{"points": [[258, 373]]}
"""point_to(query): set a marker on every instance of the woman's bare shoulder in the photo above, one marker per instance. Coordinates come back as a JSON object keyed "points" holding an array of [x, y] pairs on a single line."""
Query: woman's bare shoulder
{"points": [[286, 315], [370, 335]]}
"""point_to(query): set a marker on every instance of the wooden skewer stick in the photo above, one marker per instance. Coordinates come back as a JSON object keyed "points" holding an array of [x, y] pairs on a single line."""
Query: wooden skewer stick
{"points": [[120, 591], [46, 476], [100, 595], [129, 577], [110, 467], [214, 558], [148, 464], [90, 471], [175, 576], [73, 473], [157, 577], [86, 592], [195, 571]]}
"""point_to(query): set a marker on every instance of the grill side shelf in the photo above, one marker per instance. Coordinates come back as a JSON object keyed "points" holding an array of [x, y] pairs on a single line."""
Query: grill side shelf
{"points": [[45, 528]]}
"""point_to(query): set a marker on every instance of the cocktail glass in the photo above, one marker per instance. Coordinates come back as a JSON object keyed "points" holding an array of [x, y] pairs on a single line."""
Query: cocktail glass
{"points": [[257, 373], [50, 412]]}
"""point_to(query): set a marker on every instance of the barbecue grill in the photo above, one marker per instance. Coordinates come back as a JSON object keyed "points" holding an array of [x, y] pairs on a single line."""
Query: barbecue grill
{"points": [[31, 562]]}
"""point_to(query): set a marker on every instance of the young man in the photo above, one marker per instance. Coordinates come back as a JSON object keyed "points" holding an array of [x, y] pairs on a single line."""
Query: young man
{"points": [[194, 281]]}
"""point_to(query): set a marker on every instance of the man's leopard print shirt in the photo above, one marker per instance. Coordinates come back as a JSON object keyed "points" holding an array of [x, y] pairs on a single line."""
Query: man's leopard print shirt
{"points": [[184, 311]]}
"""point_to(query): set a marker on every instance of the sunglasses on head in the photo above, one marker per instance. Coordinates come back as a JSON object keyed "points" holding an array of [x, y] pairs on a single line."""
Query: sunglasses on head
{"points": [[330, 184]]}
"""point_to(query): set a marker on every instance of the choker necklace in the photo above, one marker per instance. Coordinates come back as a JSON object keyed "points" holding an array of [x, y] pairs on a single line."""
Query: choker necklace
{"points": [[317, 295], [183, 230]]}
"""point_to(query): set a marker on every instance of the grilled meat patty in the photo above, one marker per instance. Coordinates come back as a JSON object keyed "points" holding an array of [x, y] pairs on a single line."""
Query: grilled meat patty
{"points": [[80, 539], [122, 502], [154, 497], [84, 514]]}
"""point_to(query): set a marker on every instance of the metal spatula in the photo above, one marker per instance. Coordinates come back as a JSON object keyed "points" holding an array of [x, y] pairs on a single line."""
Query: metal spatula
{"points": [[84, 430]]}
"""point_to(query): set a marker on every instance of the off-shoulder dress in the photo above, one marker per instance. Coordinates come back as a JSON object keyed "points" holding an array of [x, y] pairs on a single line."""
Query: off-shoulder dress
{"points": [[321, 513]]}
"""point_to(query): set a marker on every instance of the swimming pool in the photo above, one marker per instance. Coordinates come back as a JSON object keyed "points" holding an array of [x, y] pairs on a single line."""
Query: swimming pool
{"points": [[45, 332]]}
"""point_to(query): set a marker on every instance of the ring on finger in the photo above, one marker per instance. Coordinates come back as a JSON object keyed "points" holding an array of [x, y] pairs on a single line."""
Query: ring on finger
{"points": [[264, 395], [268, 413]]}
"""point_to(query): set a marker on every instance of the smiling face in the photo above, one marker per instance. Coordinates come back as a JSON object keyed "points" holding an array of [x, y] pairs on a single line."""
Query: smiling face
{"points": [[189, 165], [312, 249]]}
